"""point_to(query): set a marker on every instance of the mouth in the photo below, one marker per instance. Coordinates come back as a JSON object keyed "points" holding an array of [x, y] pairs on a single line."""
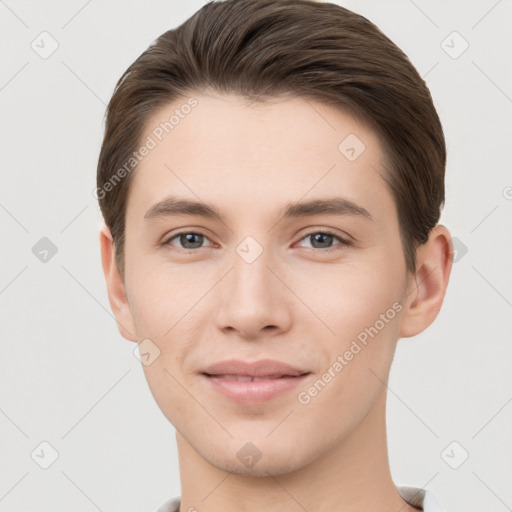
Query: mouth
{"points": [[253, 390], [264, 368], [255, 382], [252, 378]]}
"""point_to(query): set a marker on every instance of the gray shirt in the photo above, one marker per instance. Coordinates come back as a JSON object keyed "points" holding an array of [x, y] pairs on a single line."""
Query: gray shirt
{"points": [[412, 495]]}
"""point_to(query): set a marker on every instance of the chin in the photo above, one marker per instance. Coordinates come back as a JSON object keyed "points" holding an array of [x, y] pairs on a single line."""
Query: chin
{"points": [[260, 469], [256, 458]]}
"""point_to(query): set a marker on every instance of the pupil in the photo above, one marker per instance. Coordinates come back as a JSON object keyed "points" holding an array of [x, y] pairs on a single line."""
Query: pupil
{"points": [[189, 238], [321, 237]]}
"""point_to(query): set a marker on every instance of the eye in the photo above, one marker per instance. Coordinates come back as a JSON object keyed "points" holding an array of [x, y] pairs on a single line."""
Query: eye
{"points": [[323, 239], [190, 240]]}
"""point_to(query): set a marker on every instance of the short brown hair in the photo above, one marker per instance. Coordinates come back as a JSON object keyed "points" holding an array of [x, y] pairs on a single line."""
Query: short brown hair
{"points": [[263, 48]]}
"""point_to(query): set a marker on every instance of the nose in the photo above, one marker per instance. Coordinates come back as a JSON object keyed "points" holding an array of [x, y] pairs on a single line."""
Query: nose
{"points": [[254, 301]]}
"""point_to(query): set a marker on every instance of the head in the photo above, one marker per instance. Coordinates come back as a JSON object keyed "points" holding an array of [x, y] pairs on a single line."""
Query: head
{"points": [[251, 109]]}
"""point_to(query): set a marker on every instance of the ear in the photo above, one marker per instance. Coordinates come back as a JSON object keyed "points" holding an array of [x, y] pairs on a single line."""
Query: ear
{"points": [[115, 286], [427, 287]]}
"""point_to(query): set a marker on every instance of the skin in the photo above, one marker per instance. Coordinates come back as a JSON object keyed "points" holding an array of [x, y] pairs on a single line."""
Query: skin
{"points": [[295, 303]]}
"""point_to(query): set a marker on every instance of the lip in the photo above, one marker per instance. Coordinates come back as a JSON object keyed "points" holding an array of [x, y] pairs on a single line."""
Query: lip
{"points": [[253, 392], [261, 368], [277, 378]]}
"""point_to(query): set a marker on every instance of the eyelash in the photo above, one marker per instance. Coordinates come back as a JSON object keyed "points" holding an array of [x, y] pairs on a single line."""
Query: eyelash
{"points": [[344, 242]]}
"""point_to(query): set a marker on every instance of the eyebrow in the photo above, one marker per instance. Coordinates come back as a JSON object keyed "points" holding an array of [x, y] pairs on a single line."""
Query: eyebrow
{"points": [[173, 205]]}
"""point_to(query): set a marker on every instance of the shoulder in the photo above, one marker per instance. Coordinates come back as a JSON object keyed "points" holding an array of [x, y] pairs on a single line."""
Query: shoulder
{"points": [[413, 495], [421, 498], [172, 505]]}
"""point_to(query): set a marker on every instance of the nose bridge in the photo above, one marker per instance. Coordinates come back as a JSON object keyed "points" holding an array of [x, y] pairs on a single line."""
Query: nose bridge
{"points": [[250, 276], [252, 296]]}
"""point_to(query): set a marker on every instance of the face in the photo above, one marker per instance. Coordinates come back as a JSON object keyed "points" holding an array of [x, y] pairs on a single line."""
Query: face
{"points": [[320, 289]]}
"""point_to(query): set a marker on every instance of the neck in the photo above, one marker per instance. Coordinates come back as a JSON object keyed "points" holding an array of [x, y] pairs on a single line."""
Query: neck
{"points": [[351, 476]]}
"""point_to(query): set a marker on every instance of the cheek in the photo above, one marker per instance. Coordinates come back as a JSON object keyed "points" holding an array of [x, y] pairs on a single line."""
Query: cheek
{"points": [[348, 298], [163, 311], [167, 307], [163, 298], [364, 314], [360, 306]]}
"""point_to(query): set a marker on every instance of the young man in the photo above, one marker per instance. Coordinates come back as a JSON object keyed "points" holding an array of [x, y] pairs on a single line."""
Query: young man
{"points": [[271, 179]]}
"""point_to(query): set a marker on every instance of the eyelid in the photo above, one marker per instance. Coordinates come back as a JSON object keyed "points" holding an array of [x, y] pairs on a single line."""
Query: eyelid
{"points": [[345, 240], [167, 239]]}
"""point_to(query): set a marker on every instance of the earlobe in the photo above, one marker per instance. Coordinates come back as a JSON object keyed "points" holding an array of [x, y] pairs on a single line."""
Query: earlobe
{"points": [[115, 286], [426, 293]]}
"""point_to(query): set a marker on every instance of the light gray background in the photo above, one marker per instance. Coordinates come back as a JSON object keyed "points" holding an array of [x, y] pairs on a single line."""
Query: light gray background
{"points": [[67, 376]]}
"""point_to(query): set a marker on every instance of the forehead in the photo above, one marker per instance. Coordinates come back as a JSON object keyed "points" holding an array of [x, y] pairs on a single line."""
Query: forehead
{"points": [[227, 150]]}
